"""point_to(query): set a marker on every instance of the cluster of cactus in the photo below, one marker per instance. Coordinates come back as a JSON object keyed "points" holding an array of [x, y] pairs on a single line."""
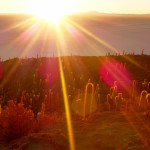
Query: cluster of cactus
{"points": [[114, 99], [123, 53], [43, 96], [144, 102], [140, 99], [50, 103]]}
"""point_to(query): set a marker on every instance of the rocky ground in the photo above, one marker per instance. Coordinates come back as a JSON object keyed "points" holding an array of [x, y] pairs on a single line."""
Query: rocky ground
{"points": [[103, 131]]}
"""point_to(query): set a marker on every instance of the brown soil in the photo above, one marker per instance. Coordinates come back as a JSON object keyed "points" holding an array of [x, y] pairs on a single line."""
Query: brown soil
{"points": [[103, 131]]}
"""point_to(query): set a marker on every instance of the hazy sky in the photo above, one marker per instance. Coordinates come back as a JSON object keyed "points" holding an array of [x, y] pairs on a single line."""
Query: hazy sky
{"points": [[106, 6]]}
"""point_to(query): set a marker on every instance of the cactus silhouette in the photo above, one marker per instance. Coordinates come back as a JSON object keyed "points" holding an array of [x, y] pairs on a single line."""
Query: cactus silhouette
{"points": [[85, 97], [134, 92], [118, 101], [143, 101]]}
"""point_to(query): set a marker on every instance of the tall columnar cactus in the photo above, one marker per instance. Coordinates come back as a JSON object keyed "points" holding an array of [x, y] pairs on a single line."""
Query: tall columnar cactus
{"points": [[134, 92], [148, 99], [45, 100], [97, 95], [50, 98], [98, 101], [118, 101], [148, 89], [114, 93], [0, 109], [144, 85], [115, 87], [111, 98], [85, 97], [31, 101], [43, 108], [109, 101], [143, 100]]}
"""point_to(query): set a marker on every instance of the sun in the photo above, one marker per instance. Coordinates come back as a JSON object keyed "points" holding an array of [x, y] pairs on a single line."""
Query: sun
{"points": [[51, 10]]}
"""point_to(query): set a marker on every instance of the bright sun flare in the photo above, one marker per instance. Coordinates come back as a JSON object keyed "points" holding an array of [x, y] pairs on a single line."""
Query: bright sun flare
{"points": [[52, 10]]}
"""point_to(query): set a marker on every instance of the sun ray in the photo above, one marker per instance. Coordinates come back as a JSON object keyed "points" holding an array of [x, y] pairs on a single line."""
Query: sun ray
{"points": [[24, 52], [92, 35], [22, 24], [135, 129], [80, 38], [26, 28], [119, 75], [101, 41], [59, 45]]}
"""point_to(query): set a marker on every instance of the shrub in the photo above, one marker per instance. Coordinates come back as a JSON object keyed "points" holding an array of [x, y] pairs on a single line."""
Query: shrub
{"points": [[15, 121]]}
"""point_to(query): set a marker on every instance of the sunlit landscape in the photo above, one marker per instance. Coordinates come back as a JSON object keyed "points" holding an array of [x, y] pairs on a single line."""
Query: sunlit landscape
{"points": [[74, 75]]}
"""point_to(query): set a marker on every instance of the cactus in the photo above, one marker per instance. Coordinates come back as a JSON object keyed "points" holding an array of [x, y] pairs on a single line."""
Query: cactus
{"points": [[97, 95], [144, 85], [91, 104], [43, 108], [31, 101], [109, 101], [0, 109], [98, 101], [134, 92], [111, 97], [118, 101], [143, 101], [50, 99], [148, 89], [115, 83], [114, 93], [148, 98]]}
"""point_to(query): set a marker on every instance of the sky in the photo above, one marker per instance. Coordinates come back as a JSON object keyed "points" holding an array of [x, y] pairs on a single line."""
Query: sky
{"points": [[104, 6]]}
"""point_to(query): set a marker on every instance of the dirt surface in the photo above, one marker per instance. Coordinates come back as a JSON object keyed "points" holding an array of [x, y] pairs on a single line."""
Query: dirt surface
{"points": [[103, 131]]}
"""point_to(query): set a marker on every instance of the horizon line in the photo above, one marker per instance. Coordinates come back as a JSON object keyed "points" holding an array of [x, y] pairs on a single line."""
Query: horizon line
{"points": [[74, 13]]}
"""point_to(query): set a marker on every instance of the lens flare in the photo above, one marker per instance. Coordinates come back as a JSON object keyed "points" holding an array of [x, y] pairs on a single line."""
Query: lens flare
{"points": [[112, 70], [49, 70]]}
